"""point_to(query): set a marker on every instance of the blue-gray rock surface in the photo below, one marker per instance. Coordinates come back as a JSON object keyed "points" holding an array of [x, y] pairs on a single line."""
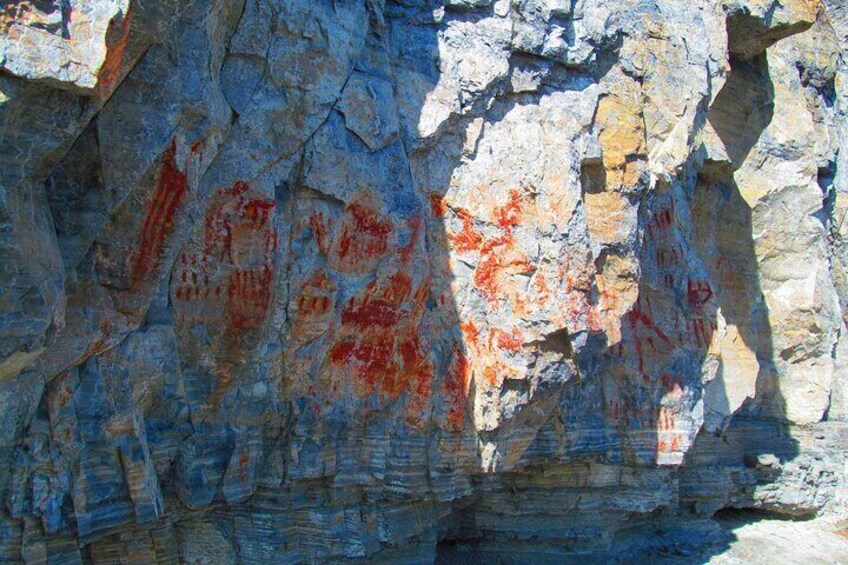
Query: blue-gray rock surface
{"points": [[314, 281]]}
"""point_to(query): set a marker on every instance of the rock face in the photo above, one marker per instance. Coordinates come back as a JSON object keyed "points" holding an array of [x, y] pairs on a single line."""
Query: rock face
{"points": [[308, 281]]}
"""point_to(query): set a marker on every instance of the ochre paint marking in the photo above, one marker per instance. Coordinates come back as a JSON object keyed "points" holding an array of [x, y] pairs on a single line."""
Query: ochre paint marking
{"points": [[158, 224]]}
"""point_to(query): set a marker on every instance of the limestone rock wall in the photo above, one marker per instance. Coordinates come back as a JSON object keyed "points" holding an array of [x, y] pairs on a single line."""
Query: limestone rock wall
{"points": [[294, 281]]}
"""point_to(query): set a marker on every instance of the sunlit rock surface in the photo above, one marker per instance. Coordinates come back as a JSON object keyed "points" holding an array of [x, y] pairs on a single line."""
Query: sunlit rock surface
{"points": [[294, 281]]}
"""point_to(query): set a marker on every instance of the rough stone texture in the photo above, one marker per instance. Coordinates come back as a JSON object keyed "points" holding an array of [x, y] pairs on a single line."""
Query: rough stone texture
{"points": [[309, 281]]}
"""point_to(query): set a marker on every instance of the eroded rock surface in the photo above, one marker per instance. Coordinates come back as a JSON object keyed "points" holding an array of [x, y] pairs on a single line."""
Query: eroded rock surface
{"points": [[296, 281]]}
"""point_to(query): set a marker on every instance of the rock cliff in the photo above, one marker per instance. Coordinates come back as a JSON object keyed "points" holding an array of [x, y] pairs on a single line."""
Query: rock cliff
{"points": [[301, 281]]}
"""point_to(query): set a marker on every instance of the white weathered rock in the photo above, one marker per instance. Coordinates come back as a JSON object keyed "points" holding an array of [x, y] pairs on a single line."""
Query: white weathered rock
{"points": [[70, 44]]}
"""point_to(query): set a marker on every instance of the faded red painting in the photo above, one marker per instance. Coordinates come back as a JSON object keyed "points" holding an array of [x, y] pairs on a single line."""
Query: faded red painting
{"points": [[171, 189], [226, 281]]}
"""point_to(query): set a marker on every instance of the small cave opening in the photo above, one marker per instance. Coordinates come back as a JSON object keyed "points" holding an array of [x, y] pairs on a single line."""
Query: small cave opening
{"points": [[733, 517], [593, 176]]}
